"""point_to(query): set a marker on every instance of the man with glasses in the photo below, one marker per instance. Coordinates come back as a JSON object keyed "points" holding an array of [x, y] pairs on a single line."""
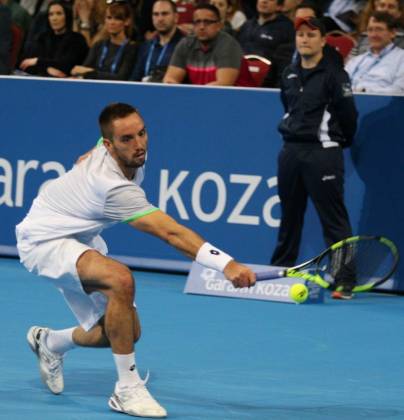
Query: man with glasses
{"points": [[210, 56], [381, 68], [154, 55]]}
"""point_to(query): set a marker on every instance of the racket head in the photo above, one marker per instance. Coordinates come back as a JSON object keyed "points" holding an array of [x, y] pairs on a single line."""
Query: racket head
{"points": [[359, 262]]}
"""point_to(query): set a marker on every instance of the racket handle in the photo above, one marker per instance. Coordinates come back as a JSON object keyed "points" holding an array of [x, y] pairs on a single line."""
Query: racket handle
{"points": [[275, 273]]}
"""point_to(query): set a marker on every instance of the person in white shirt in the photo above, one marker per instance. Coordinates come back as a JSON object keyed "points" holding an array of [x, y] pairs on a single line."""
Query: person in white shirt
{"points": [[59, 239], [381, 69]]}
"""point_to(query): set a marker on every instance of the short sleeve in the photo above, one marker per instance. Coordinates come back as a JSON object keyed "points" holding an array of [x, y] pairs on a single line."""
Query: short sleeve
{"points": [[127, 203], [179, 57], [228, 54]]}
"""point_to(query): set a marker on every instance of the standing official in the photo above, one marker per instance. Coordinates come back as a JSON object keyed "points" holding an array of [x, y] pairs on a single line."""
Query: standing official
{"points": [[320, 118]]}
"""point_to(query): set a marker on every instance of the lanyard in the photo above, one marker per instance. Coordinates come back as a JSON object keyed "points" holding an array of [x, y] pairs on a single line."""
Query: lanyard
{"points": [[117, 57], [373, 64], [150, 56]]}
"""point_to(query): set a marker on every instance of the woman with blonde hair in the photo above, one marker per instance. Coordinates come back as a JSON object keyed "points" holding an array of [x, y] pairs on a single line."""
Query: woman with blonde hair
{"points": [[111, 58]]}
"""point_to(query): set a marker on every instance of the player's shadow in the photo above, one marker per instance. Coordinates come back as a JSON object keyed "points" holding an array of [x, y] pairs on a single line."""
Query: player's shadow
{"points": [[378, 156]]}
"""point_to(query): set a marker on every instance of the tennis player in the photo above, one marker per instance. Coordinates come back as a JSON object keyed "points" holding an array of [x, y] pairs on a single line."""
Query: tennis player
{"points": [[59, 239]]}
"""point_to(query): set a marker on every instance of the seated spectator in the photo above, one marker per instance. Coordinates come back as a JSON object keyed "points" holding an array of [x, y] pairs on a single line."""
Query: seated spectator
{"points": [[89, 19], [210, 57], [396, 9], [154, 55], [224, 7], [262, 35], [289, 8], [111, 58], [235, 16], [343, 15], [19, 15], [56, 51], [381, 68], [5, 39]]}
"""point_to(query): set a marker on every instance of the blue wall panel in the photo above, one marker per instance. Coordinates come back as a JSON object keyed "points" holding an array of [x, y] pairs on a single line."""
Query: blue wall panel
{"points": [[211, 165]]}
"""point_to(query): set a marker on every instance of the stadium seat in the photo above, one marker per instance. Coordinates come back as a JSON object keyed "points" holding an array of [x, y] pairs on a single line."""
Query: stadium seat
{"points": [[342, 42], [258, 66], [185, 12]]}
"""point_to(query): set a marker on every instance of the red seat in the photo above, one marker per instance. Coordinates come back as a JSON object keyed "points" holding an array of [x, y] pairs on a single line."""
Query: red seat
{"points": [[17, 36], [185, 12], [342, 42], [258, 67]]}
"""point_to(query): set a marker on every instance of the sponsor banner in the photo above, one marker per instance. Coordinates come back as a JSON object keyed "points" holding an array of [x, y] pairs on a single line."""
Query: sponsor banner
{"points": [[206, 281], [212, 164]]}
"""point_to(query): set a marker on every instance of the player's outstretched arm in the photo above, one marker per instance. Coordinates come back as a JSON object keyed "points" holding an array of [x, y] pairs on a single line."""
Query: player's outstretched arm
{"points": [[191, 244]]}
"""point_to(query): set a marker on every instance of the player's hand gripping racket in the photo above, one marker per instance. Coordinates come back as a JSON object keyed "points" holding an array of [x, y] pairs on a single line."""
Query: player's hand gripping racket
{"points": [[360, 262]]}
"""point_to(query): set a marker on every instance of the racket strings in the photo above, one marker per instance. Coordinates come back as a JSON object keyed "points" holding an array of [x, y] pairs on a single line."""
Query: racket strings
{"points": [[361, 262]]}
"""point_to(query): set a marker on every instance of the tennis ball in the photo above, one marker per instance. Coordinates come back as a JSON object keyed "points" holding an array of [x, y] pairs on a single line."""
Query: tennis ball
{"points": [[299, 292]]}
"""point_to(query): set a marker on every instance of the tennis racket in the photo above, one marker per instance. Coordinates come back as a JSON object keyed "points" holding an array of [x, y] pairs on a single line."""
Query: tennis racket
{"points": [[360, 262]]}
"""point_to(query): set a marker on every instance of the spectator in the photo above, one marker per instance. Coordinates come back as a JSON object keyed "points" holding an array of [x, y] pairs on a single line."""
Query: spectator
{"points": [[319, 120], [58, 49], [396, 9], [5, 39], [224, 8], [89, 19], [343, 14], [262, 35], [111, 58], [19, 15], [154, 55], [235, 16], [289, 8], [381, 68], [210, 57]]}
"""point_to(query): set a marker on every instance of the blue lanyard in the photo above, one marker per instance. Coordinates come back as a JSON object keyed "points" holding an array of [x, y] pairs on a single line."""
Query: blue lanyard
{"points": [[150, 56], [374, 63], [117, 57]]}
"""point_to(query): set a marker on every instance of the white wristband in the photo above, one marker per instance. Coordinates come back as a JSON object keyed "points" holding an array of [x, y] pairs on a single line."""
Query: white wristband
{"points": [[212, 257]]}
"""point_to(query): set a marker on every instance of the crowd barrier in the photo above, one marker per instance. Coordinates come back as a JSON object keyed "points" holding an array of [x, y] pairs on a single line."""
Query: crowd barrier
{"points": [[211, 164]]}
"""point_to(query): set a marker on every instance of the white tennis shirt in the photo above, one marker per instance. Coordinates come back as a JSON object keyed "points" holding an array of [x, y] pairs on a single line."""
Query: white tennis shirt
{"points": [[93, 195]]}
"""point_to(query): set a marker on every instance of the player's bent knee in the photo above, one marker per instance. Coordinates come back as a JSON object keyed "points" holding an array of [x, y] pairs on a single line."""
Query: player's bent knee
{"points": [[122, 282]]}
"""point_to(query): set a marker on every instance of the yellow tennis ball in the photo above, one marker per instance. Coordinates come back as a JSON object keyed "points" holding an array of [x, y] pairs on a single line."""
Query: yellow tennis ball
{"points": [[299, 292]]}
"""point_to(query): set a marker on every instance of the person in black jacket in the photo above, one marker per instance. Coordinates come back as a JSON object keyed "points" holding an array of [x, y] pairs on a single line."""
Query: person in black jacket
{"points": [[58, 49], [320, 119]]}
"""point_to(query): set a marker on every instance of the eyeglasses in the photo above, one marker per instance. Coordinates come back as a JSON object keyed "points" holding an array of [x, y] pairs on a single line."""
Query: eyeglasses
{"points": [[204, 22], [115, 1]]}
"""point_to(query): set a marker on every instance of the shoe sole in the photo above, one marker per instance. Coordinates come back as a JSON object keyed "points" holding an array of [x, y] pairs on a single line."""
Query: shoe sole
{"points": [[114, 405]]}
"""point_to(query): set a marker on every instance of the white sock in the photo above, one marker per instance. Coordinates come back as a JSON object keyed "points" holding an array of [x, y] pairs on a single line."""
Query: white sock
{"points": [[126, 367], [60, 341]]}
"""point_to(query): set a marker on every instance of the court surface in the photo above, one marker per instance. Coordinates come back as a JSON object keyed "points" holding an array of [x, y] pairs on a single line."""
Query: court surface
{"points": [[214, 358]]}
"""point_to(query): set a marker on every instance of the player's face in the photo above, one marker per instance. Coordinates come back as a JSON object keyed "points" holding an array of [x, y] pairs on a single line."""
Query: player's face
{"points": [[309, 42], [129, 144], [57, 18], [379, 35], [164, 18], [206, 25]]}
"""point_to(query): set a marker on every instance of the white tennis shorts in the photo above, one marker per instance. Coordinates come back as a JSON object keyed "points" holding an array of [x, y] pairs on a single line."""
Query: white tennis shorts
{"points": [[56, 259]]}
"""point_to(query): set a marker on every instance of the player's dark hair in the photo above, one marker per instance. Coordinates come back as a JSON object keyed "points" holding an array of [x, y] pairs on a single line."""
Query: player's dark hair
{"points": [[171, 3], [208, 6], [310, 5], [113, 112], [384, 17]]}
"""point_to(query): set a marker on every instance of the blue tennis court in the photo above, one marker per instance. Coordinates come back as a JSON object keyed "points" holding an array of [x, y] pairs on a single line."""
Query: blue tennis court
{"points": [[214, 358]]}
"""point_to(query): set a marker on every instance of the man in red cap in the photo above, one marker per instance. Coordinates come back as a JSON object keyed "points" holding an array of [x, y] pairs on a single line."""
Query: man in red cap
{"points": [[320, 119]]}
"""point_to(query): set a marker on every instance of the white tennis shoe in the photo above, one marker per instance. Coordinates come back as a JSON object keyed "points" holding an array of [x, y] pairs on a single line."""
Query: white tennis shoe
{"points": [[50, 363], [135, 400]]}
